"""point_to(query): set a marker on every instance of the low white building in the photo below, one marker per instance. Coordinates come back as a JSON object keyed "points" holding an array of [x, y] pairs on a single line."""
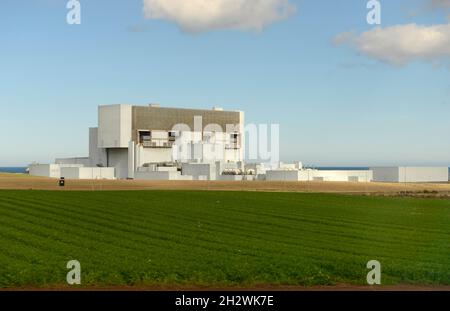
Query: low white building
{"points": [[319, 175], [155, 143], [87, 172], [49, 170], [410, 174]]}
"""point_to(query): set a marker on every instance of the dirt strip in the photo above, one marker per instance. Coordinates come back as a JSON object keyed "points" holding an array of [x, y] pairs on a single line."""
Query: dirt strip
{"points": [[21, 181]]}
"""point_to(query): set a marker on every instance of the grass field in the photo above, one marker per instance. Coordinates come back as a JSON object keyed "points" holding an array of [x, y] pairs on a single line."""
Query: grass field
{"points": [[209, 238]]}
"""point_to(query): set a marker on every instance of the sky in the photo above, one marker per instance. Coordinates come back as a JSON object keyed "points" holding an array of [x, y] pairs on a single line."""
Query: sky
{"points": [[344, 92]]}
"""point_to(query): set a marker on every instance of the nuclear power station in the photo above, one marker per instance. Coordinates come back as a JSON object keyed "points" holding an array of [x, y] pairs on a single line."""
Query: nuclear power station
{"points": [[157, 143]]}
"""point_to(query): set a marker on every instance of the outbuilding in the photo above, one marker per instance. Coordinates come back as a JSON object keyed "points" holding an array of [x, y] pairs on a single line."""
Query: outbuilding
{"points": [[411, 174]]}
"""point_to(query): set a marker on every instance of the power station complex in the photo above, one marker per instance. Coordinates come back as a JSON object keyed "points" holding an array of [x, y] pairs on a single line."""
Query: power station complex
{"points": [[156, 143]]}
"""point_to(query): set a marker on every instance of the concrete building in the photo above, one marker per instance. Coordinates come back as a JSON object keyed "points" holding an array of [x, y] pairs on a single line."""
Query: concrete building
{"points": [[319, 175], [49, 170], [410, 174], [151, 142], [155, 143], [87, 172]]}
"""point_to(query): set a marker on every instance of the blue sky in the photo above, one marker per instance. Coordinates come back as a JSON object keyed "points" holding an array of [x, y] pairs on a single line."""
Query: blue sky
{"points": [[336, 105]]}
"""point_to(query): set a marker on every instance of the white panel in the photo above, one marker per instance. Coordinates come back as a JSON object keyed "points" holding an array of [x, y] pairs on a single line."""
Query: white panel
{"points": [[118, 158], [80, 161], [114, 126], [199, 169], [423, 174], [385, 174], [45, 170], [88, 172], [152, 155], [336, 175], [167, 175], [96, 155], [281, 175], [131, 159]]}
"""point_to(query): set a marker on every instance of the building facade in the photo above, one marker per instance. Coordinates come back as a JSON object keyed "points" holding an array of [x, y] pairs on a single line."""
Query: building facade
{"points": [[151, 142]]}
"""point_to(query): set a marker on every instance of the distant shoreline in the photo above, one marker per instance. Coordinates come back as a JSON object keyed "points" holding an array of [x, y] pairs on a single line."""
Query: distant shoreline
{"points": [[13, 169]]}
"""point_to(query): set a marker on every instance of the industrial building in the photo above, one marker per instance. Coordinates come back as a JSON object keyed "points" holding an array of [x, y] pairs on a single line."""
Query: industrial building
{"points": [[155, 143], [410, 174], [319, 175], [151, 142]]}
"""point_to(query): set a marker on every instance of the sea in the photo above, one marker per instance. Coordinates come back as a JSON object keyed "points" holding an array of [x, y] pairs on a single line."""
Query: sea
{"points": [[13, 169]]}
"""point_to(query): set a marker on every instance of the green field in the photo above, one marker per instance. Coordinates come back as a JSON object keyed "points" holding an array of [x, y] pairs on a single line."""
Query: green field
{"points": [[220, 238]]}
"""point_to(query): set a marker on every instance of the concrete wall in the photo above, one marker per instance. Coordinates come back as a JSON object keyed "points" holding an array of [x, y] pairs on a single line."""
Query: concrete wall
{"points": [[49, 170], [316, 175], [45, 170], [118, 158], [114, 126], [385, 174], [410, 174], [160, 175], [232, 177], [152, 155], [199, 171], [283, 175], [423, 174], [97, 155], [81, 161], [337, 175], [87, 172]]}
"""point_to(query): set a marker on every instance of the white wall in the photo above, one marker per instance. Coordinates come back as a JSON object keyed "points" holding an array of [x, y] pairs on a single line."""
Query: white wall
{"points": [[160, 175], [410, 174], [190, 145], [350, 175], [196, 170], [114, 126], [423, 174], [45, 170], [87, 172], [385, 174], [231, 177], [97, 155], [80, 161], [152, 155], [325, 175], [118, 158], [282, 175], [49, 170]]}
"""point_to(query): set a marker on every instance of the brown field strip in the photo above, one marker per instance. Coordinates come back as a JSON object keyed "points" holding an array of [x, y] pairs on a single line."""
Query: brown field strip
{"points": [[25, 182]]}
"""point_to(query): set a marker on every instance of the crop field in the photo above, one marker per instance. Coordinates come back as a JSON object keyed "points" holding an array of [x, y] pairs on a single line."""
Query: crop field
{"points": [[220, 239]]}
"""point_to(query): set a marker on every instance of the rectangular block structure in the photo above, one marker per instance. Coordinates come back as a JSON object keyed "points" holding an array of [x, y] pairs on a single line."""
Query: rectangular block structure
{"points": [[87, 172], [410, 174]]}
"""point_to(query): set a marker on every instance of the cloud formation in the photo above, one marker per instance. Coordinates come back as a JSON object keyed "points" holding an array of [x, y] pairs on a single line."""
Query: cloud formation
{"points": [[206, 15], [399, 45]]}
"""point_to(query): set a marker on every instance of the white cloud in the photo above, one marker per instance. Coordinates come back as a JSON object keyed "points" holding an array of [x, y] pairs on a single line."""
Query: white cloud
{"points": [[401, 44], [205, 15]]}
